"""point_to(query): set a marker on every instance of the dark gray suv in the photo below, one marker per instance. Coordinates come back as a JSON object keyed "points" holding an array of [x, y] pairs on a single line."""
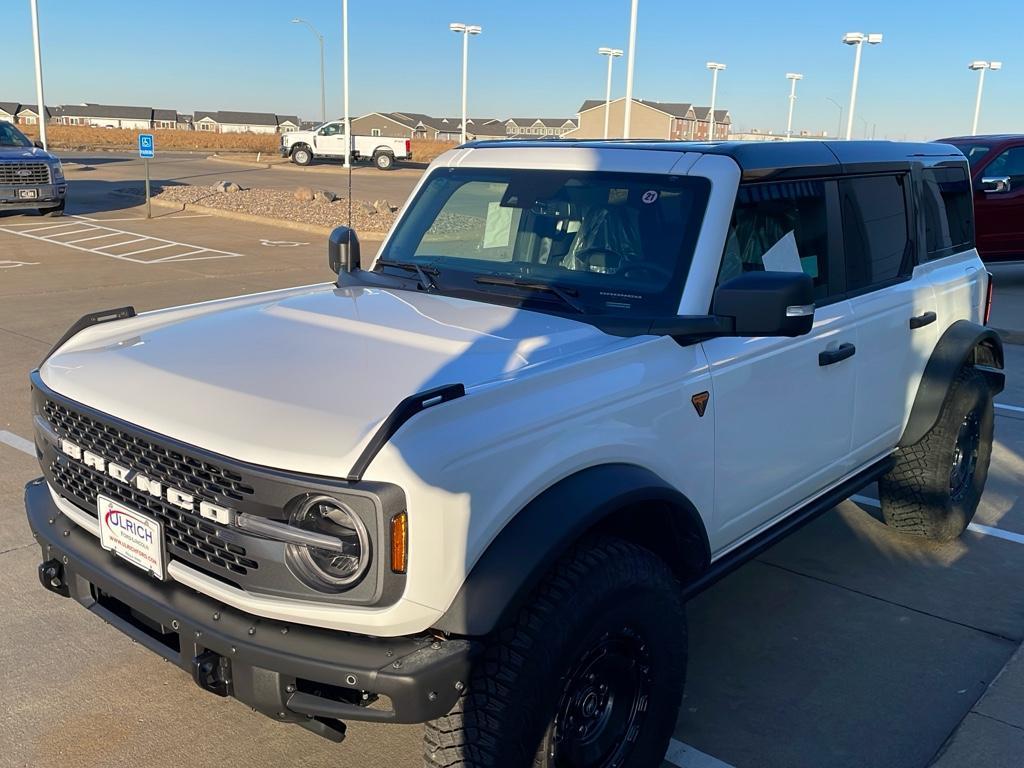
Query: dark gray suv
{"points": [[30, 177]]}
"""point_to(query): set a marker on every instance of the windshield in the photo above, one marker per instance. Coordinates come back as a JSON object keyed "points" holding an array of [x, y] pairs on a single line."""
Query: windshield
{"points": [[974, 152], [606, 243], [12, 137]]}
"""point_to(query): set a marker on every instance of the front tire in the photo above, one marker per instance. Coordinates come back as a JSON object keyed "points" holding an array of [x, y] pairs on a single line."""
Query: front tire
{"points": [[302, 156], [588, 675], [57, 210], [936, 485], [384, 161]]}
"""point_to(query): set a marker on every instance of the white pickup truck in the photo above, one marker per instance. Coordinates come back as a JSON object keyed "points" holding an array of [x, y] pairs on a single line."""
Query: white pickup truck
{"points": [[328, 141]]}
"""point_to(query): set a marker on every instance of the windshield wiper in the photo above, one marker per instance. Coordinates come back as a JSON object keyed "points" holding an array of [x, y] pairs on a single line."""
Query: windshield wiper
{"points": [[532, 285], [423, 273]]}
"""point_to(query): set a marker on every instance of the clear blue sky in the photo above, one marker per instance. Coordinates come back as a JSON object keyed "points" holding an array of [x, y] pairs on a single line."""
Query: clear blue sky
{"points": [[535, 57]]}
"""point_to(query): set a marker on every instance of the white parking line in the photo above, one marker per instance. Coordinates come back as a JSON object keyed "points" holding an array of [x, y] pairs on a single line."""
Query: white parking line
{"points": [[984, 530], [686, 756], [17, 442], [189, 251]]}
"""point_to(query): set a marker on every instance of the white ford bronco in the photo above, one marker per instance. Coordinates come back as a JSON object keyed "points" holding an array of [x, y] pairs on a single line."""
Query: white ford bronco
{"points": [[474, 481]]}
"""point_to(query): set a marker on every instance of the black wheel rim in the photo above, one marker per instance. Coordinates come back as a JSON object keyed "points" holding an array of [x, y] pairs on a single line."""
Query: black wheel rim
{"points": [[603, 703], [965, 456]]}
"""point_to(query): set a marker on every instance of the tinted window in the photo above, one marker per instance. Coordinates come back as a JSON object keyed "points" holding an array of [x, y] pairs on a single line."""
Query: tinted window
{"points": [[11, 136], [1009, 163], [874, 230], [948, 213], [779, 227], [975, 152]]}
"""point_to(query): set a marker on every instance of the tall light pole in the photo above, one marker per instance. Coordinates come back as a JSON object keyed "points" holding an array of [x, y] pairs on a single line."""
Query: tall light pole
{"points": [[323, 97], [857, 39], [792, 77], [39, 74], [980, 67], [715, 68], [839, 125], [612, 54], [465, 30], [630, 62], [344, 76]]}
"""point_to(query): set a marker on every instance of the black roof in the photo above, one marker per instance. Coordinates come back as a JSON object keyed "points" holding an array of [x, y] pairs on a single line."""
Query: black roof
{"points": [[774, 159]]}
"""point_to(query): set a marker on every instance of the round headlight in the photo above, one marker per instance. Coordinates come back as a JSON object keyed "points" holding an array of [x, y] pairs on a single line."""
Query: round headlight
{"points": [[338, 567]]}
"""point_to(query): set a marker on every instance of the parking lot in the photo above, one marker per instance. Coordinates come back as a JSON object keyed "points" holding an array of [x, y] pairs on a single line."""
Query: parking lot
{"points": [[845, 645]]}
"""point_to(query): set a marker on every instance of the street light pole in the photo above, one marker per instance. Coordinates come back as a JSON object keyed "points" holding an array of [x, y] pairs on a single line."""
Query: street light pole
{"points": [[715, 68], [612, 54], [323, 97], [465, 30], [630, 62], [39, 74], [857, 39], [792, 77], [344, 68], [839, 125], [981, 66]]}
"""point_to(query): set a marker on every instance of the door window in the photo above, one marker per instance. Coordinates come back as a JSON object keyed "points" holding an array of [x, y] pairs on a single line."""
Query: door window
{"points": [[948, 213], [875, 234], [1010, 163], [780, 227], [331, 129]]}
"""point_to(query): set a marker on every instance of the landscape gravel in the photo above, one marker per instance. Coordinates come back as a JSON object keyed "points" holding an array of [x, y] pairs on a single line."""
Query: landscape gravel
{"points": [[282, 204]]}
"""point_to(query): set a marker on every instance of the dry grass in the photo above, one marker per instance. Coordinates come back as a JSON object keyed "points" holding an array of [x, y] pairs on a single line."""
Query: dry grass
{"points": [[425, 150], [77, 136]]}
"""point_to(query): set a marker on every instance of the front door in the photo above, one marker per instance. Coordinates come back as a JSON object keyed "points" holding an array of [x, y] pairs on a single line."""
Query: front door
{"points": [[783, 407], [1000, 215], [330, 140]]}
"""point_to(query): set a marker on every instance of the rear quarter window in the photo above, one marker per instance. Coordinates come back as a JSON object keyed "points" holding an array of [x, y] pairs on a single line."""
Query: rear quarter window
{"points": [[948, 212]]}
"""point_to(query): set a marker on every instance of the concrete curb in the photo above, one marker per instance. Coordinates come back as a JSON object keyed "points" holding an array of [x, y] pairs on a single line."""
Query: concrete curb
{"points": [[242, 163], [339, 170], [299, 226]]}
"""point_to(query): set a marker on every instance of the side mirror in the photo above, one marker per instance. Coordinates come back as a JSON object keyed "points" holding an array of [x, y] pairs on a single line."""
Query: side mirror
{"points": [[343, 250], [995, 185], [767, 303], [38, 145]]}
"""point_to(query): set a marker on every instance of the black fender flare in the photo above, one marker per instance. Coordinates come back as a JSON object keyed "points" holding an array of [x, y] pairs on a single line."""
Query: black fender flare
{"points": [[621, 499], [963, 343]]}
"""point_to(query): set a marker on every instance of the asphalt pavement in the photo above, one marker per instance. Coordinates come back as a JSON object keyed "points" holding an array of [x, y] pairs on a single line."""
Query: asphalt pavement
{"points": [[844, 646]]}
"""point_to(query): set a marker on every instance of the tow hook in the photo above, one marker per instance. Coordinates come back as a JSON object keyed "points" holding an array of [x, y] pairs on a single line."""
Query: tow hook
{"points": [[210, 671], [51, 576]]}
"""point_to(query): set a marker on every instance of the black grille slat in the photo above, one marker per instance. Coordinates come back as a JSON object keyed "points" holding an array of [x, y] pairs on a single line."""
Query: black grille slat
{"points": [[14, 173]]}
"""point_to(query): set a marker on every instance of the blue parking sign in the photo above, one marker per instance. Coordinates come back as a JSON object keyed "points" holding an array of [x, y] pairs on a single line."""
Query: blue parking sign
{"points": [[146, 148]]}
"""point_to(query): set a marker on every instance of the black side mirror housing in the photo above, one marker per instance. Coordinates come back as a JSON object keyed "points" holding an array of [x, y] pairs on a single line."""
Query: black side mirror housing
{"points": [[767, 304], [343, 250], [38, 145]]}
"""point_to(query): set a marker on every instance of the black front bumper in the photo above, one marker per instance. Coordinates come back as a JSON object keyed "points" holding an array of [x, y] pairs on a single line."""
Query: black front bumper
{"points": [[290, 672]]}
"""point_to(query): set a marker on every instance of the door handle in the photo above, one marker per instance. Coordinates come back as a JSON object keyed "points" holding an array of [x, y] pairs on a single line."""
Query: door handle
{"points": [[833, 356], [922, 320]]}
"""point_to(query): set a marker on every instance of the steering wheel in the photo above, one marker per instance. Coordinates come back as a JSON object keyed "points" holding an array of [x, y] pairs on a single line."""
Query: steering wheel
{"points": [[647, 266], [613, 260]]}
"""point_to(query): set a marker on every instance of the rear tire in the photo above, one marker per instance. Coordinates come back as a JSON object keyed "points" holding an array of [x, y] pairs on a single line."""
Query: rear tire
{"points": [[936, 485], [384, 161], [589, 674], [302, 156]]}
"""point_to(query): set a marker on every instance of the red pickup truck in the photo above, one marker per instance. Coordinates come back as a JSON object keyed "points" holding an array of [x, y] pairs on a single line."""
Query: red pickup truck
{"points": [[997, 173]]}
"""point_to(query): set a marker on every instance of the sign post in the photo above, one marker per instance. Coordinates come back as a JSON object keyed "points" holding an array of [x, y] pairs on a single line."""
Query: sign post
{"points": [[146, 151]]}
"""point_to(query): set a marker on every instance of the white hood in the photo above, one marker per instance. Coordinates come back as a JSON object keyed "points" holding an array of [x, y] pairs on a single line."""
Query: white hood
{"points": [[300, 379]]}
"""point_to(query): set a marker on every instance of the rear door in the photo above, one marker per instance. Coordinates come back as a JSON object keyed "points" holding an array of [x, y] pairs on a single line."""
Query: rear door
{"points": [[783, 407], [895, 313], [1000, 215]]}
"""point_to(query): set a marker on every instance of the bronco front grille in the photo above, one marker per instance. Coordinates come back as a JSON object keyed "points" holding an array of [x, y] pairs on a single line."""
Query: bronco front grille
{"points": [[188, 536], [24, 173]]}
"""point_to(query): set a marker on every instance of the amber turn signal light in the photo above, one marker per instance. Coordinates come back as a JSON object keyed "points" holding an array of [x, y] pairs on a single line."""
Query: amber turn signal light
{"points": [[400, 542]]}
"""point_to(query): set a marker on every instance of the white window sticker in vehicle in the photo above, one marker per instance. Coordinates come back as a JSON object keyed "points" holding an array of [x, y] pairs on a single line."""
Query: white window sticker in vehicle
{"points": [[783, 256], [650, 196], [498, 230], [617, 196]]}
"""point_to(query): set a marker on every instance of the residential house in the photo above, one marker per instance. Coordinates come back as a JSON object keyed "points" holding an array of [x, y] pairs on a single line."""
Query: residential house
{"points": [[166, 119], [205, 120], [649, 120], [9, 111], [396, 125], [107, 116], [246, 122], [28, 114], [525, 127], [450, 128], [287, 123], [183, 122], [701, 129], [309, 125]]}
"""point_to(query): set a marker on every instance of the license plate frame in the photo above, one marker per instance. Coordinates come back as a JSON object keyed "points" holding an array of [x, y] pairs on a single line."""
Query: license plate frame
{"points": [[132, 536], [28, 194]]}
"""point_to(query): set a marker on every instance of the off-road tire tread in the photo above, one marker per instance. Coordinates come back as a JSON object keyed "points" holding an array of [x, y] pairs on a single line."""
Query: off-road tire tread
{"points": [[481, 730]]}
